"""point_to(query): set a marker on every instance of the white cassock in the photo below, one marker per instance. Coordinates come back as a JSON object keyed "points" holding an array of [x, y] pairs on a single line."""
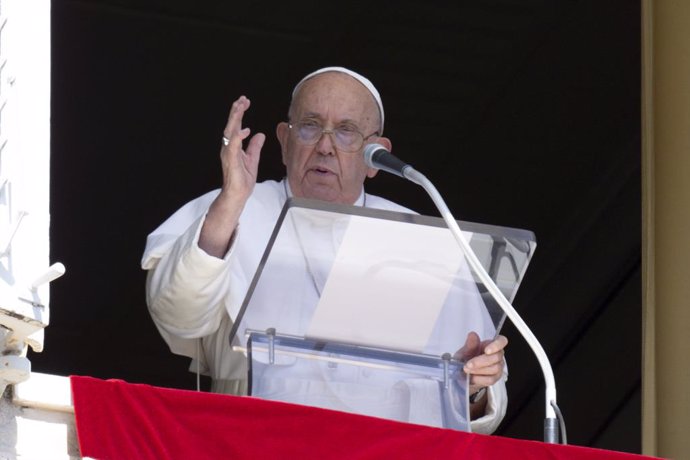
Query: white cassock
{"points": [[193, 299]]}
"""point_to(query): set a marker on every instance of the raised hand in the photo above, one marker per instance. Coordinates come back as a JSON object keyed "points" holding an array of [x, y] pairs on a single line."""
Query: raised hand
{"points": [[240, 168]]}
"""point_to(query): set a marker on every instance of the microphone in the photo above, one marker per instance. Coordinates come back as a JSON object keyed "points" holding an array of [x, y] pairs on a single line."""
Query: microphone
{"points": [[376, 156]]}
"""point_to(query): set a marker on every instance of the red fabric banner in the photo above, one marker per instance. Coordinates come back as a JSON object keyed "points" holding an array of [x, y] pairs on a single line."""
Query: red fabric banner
{"points": [[118, 420]]}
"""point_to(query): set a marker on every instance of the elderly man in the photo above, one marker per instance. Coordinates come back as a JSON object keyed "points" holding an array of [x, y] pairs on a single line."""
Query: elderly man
{"points": [[202, 259]]}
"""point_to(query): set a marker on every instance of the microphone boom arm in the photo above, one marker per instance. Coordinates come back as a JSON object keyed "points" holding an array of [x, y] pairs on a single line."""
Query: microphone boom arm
{"points": [[550, 423]]}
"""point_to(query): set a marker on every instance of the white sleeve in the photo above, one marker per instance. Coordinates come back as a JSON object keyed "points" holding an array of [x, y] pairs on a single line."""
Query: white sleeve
{"points": [[185, 290], [495, 408]]}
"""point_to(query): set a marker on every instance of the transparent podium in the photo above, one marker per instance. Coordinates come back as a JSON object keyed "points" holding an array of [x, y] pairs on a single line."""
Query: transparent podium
{"points": [[367, 311]]}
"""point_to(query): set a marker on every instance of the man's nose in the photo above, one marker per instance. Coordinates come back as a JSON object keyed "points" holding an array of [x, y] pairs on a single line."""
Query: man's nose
{"points": [[326, 144]]}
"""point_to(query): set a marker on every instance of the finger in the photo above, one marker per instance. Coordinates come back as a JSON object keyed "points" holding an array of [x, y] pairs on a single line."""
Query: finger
{"points": [[496, 345], [255, 144], [235, 141], [489, 377], [479, 381], [253, 153], [487, 369], [484, 359], [471, 347], [483, 368], [234, 124]]}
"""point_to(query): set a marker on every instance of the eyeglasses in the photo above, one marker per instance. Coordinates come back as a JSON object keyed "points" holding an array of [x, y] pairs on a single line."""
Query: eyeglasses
{"points": [[346, 138]]}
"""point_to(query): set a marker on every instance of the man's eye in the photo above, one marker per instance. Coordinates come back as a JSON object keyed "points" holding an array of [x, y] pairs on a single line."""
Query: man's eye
{"points": [[310, 125], [346, 129]]}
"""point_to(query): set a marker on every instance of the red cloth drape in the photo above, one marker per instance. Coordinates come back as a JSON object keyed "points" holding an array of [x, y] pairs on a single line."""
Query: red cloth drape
{"points": [[118, 420]]}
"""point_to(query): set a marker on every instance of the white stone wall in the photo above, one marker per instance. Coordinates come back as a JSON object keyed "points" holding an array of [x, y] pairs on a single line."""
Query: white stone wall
{"points": [[36, 416], [24, 158], [37, 420]]}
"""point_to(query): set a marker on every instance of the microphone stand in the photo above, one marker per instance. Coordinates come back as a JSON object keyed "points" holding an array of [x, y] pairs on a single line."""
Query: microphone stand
{"points": [[550, 423]]}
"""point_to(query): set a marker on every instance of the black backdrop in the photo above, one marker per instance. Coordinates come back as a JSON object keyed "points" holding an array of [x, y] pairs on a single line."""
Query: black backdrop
{"points": [[524, 113]]}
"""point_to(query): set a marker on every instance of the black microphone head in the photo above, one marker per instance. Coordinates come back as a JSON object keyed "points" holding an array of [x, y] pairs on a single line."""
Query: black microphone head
{"points": [[369, 151]]}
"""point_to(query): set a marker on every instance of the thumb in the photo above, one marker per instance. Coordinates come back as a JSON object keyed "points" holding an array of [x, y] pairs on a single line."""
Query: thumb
{"points": [[470, 349]]}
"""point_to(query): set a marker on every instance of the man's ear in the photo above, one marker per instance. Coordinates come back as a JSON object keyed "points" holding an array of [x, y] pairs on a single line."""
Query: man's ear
{"points": [[282, 133], [386, 143]]}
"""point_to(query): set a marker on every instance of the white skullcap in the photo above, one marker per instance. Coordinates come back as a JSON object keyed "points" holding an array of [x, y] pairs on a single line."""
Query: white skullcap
{"points": [[363, 80]]}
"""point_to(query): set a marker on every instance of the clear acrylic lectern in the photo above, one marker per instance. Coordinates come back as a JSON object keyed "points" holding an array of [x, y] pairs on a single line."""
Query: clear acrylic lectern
{"points": [[367, 311]]}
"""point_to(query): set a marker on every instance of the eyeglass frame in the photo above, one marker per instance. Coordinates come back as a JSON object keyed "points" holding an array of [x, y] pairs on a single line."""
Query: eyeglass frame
{"points": [[334, 138]]}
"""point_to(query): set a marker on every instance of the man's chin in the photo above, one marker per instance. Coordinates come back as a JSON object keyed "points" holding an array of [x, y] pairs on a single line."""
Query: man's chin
{"points": [[329, 192], [323, 194]]}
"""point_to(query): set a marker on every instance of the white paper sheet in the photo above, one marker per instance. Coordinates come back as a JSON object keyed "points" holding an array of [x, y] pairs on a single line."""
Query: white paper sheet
{"points": [[382, 289]]}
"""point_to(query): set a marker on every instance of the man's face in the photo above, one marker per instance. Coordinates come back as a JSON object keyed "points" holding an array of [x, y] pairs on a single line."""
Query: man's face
{"points": [[322, 171]]}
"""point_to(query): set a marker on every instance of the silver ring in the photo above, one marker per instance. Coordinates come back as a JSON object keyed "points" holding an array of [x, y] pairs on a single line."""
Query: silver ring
{"points": [[226, 141]]}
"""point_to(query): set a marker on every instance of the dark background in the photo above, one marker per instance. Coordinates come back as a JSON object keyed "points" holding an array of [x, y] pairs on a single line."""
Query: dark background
{"points": [[524, 113]]}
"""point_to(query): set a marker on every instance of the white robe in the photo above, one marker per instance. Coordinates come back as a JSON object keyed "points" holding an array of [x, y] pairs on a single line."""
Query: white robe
{"points": [[193, 297]]}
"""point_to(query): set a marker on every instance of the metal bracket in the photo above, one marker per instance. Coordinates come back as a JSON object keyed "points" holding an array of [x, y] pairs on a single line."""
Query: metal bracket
{"points": [[446, 357], [271, 333]]}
